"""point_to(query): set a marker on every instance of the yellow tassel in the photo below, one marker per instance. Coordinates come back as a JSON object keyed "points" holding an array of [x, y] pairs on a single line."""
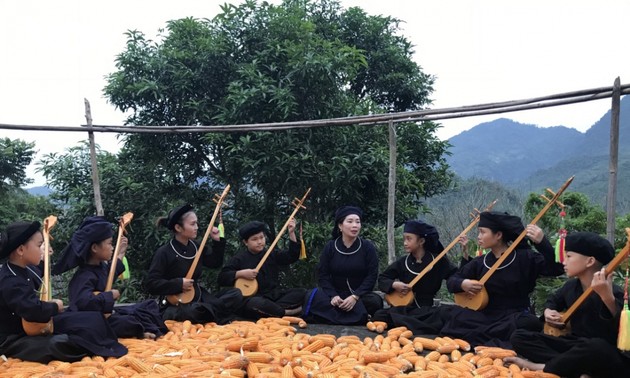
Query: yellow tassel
{"points": [[302, 245], [623, 340], [302, 250], [221, 230]]}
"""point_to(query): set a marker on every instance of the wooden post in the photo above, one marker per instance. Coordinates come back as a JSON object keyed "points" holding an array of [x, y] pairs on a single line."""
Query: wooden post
{"points": [[391, 194], [611, 200], [95, 180]]}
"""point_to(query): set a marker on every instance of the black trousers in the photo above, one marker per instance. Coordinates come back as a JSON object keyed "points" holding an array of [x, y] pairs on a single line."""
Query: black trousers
{"points": [[272, 304], [570, 356], [42, 349]]}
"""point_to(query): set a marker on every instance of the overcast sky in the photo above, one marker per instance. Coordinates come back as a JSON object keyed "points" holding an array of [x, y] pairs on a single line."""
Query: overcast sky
{"points": [[55, 53]]}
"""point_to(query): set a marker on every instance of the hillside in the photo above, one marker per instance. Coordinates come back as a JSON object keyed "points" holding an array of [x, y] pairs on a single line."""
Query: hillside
{"points": [[531, 158], [508, 151]]}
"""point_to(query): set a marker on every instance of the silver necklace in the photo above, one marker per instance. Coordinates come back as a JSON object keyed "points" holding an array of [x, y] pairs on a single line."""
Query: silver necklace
{"points": [[499, 268], [182, 256], [407, 263], [347, 253]]}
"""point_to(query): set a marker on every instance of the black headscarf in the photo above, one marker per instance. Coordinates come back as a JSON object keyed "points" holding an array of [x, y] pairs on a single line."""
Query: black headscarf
{"points": [[430, 234], [509, 225], [175, 215], [15, 235], [590, 244], [341, 214], [252, 228], [93, 230]]}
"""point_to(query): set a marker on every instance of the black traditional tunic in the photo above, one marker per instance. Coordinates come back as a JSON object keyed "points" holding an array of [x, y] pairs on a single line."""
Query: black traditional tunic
{"points": [[75, 334], [271, 299], [131, 320], [591, 321], [508, 289], [171, 263], [420, 316], [345, 271]]}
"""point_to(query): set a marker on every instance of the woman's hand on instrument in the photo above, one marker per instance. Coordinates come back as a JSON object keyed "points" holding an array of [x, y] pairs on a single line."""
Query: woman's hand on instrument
{"points": [[124, 243], [187, 284], [553, 317], [602, 285], [463, 240], [115, 294], [59, 303], [248, 274], [472, 287], [348, 303], [291, 225], [336, 301], [401, 287], [535, 233], [215, 235]]}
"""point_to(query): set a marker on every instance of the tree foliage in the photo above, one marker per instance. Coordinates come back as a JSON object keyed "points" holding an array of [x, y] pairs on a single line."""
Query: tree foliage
{"points": [[15, 156], [255, 63], [259, 63]]}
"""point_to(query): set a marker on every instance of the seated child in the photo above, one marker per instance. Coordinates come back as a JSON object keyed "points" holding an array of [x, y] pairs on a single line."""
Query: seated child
{"points": [[271, 300], [75, 335], [91, 250], [594, 325]]}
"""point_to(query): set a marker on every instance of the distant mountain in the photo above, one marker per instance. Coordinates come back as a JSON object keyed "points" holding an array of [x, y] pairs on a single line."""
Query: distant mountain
{"points": [[508, 151], [530, 158], [39, 191]]}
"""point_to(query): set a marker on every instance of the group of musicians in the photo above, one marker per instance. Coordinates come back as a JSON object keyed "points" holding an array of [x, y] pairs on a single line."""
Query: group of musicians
{"points": [[347, 275]]}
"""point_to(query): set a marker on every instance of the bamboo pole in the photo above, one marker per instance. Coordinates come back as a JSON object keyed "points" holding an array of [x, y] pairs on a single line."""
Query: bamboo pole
{"points": [[611, 200], [391, 194], [366, 120], [95, 180]]}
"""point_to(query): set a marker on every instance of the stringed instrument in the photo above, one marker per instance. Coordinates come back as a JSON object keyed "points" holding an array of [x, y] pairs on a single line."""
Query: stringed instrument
{"points": [[480, 300], [189, 295], [34, 328], [122, 223], [396, 298], [250, 287], [554, 330]]}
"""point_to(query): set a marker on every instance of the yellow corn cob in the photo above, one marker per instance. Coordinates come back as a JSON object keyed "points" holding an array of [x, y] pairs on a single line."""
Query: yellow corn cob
{"points": [[137, 365], [463, 345]]}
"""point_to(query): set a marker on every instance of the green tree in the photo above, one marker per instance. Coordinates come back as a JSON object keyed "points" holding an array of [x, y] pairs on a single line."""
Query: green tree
{"points": [[581, 215], [301, 60], [15, 156], [256, 63], [15, 203]]}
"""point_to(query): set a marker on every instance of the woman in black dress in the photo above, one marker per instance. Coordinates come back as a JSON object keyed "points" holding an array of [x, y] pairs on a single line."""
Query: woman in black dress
{"points": [[171, 262], [422, 244], [509, 288], [347, 273]]}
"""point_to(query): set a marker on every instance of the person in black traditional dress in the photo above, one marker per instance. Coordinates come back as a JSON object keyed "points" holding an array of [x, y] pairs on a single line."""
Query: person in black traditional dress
{"points": [[508, 288], [171, 262], [75, 335], [91, 250], [422, 244], [590, 346], [270, 300], [535, 235], [347, 273]]}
